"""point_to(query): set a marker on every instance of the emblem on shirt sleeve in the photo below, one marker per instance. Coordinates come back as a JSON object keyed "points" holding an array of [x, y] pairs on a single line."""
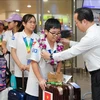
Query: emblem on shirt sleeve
{"points": [[34, 50]]}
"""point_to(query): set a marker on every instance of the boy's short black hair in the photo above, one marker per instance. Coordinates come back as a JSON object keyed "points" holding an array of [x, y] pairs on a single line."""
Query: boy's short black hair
{"points": [[52, 23]]}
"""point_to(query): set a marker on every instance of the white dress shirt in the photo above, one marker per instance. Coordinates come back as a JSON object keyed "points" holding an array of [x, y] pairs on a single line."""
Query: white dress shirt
{"points": [[89, 47]]}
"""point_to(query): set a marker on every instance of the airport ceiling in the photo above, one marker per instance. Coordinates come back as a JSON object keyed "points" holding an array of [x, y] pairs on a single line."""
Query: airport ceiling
{"points": [[54, 6]]}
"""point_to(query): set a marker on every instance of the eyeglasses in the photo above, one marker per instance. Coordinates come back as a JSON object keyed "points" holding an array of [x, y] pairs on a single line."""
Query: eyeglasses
{"points": [[55, 34]]}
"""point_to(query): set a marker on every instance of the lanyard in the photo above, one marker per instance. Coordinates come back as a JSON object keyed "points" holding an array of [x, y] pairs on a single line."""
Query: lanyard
{"points": [[52, 61], [28, 47], [51, 51], [1, 37]]}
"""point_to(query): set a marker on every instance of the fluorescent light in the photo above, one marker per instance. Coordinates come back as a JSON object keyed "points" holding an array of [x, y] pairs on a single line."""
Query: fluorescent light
{"points": [[48, 11], [45, 0], [17, 10], [29, 6]]}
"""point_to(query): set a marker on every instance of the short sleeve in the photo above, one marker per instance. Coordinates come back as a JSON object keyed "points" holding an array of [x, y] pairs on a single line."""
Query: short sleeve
{"points": [[13, 41], [35, 53], [5, 36]]}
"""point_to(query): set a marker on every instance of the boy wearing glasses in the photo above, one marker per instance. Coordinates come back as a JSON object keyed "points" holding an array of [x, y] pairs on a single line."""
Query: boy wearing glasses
{"points": [[39, 68]]}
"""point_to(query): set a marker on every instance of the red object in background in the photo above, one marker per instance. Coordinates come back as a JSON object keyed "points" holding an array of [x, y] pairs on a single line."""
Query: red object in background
{"points": [[47, 95]]}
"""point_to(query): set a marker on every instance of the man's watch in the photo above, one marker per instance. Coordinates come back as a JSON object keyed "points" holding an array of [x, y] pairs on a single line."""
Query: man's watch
{"points": [[51, 56]]}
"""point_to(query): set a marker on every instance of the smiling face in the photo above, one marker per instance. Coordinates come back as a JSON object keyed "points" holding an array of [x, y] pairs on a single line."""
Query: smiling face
{"points": [[52, 29], [53, 34]]}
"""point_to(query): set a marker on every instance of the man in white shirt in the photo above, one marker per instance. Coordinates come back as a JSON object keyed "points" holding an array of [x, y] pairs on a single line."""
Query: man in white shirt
{"points": [[89, 47]]}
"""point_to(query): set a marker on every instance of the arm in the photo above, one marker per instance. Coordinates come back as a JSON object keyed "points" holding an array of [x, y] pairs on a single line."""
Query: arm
{"points": [[65, 41], [42, 82], [72, 43], [17, 61], [4, 47], [84, 45], [35, 57], [4, 42]]}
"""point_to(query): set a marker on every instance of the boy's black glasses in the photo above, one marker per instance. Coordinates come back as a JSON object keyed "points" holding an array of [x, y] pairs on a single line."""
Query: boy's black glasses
{"points": [[54, 34]]}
